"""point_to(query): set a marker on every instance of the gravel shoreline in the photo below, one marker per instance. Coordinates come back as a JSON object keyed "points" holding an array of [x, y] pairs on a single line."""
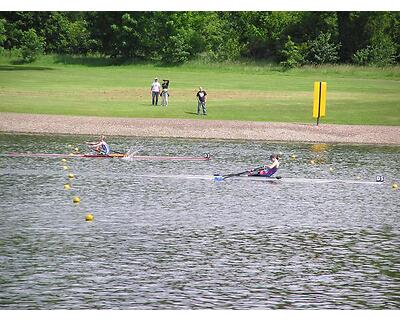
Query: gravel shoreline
{"points": [[199, 128]]}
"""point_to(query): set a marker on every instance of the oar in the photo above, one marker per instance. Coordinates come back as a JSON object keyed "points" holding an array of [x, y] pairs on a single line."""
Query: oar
{"points": [[117, 152], [90, 147], [219, 178]]}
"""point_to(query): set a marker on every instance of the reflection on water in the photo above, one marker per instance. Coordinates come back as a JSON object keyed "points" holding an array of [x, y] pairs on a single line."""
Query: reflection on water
{"points": [[176, 243]]}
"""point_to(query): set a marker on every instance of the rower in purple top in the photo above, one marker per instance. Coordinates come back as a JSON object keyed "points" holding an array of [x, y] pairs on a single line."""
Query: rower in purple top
{"points": [[269, 169]]}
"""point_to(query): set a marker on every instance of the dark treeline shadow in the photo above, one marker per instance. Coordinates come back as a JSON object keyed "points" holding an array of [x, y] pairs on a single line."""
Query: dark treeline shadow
{"points": [[96, 61], [23, 68]]}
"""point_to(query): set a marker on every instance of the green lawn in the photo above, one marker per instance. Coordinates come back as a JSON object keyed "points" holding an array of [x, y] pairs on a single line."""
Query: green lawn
{"points": [[243, 91]]}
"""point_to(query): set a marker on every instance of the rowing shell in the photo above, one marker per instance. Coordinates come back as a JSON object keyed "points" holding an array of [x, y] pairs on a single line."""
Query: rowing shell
{"points": [[112, 155], [289, 179], [277, 179]]}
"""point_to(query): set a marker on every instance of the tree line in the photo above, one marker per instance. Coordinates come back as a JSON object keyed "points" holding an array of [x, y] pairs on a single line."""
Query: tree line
{"points": [[289, 38]]}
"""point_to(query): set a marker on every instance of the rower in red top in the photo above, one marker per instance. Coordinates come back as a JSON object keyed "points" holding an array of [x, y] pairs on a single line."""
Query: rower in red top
{"points": [[101, 147], [269, 169]]}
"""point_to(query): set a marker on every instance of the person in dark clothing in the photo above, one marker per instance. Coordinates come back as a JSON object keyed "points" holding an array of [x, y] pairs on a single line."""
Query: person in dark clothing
{"points": [[164, 93], [201, 101]]}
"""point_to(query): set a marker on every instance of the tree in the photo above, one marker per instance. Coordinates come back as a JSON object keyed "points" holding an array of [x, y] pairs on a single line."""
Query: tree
{"points": [[32, 46], [126, 39], [99, 27], [177, 50], [65, 34], [79, 41], [2, 33], [311, 24], [291, 55], [323, 50], [378, 54], [263, 34], [175, 37], [221, 41], [379, 47]]}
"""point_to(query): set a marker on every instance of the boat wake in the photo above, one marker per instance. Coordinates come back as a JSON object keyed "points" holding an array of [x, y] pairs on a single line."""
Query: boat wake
{"points": [[258, 178]]}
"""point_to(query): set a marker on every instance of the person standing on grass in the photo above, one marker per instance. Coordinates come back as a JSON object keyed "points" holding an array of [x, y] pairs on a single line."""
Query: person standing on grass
{"points": [[201, 101], [164, 93], [155, 91]]}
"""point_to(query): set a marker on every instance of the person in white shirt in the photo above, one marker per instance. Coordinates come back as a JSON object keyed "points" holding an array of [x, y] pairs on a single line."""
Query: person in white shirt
{"points": [[155, 91], [101, 147]]}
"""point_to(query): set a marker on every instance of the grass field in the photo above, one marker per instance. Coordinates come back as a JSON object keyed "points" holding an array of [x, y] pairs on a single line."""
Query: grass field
{"points": [[242, 91]]}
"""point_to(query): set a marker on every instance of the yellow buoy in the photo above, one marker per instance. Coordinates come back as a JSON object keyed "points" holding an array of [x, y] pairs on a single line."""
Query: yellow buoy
{"points": [[395, 186], [293, 156], [71, 175], [65, 167], [89, 217], [69, 146], [76, 149], [312, 162], [63, 160], [331, 169], [67, 186], [76, 199]]}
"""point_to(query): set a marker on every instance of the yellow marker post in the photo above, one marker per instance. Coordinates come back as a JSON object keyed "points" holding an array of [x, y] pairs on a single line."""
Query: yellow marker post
{"points": [[319, 106]]}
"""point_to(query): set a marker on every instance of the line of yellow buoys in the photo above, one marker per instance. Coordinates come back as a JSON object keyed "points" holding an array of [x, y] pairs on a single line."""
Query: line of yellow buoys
{"points": [[68, 186]]}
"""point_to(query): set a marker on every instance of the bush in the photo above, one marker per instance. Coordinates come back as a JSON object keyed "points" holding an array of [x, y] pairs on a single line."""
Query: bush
{"points": [[31, 46], [363, 56], [323, 50], [77, 40], [384, 51], [384, 55], [292, 55], [176, 51], [380, 55]]}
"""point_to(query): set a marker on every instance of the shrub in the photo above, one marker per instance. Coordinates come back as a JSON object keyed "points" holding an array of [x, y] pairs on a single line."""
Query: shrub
{"points": [[323, 50], [177, 50], [383, 51], [31, 46], [292, 55], [77, 38], [363, 56], [380, 55]]}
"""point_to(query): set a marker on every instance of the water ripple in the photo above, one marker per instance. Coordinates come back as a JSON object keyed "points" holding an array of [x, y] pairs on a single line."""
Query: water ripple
{"points": [[162, 243]]}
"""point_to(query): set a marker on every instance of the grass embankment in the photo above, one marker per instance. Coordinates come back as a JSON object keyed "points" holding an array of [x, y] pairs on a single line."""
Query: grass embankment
{"points": [[243, 91]]}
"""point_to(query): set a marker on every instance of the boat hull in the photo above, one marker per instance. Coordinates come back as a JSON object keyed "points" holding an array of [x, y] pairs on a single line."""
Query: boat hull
{"points": [[294, 180], [112, 155]]}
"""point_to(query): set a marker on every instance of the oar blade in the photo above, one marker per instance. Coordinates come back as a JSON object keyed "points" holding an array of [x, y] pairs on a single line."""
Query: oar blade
{"points": [[219, 178]]}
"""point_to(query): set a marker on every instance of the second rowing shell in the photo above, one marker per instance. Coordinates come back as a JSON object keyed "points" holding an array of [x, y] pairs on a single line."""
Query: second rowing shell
{"points": [[113, 155]]}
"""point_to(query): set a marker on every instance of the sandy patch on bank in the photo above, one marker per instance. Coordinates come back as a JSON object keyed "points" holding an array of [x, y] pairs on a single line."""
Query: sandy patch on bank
{"points": [[198, 128], [180, 94]]}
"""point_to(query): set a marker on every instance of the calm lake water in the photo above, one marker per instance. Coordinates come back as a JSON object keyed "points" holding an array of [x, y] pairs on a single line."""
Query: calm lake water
{"points": [[166, 237]]}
